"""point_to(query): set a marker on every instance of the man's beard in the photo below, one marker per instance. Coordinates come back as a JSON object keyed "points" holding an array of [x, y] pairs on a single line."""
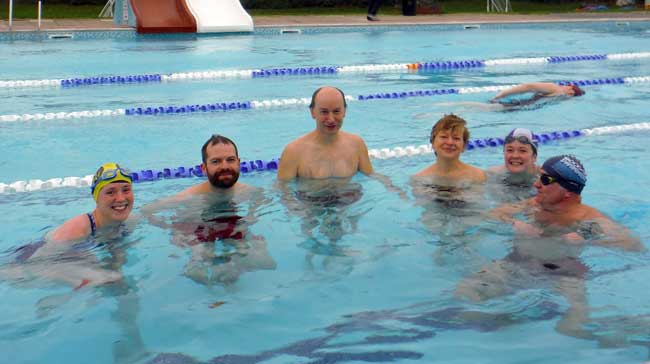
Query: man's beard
{"points": [[221, 183]]}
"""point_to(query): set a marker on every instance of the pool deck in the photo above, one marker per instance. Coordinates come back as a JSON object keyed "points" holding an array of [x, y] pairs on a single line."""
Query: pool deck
{"points": [[345, 20]]}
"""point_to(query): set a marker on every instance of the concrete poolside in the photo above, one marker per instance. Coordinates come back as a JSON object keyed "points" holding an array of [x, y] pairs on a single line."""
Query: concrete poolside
{"points": [[345, 20]]}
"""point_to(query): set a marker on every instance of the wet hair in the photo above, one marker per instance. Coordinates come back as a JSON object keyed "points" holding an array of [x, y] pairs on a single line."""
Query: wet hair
{"points": [[313, 96], [452, 122], [216, 139], [577, 91]]}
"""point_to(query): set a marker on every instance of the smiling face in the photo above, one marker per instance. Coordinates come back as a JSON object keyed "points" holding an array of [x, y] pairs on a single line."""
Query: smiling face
{"points": [[448, 143], [221, 165], [328, 110], [519, 157], [115, 202]]}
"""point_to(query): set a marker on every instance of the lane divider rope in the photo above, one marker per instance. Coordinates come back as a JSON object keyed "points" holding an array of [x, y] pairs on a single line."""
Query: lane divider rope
{"points": [[316, 70], [279, 103], [147, 175]]}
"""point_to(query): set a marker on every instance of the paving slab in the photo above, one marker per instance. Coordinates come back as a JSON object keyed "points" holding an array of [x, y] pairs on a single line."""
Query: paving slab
{"points": [[343, 20]]}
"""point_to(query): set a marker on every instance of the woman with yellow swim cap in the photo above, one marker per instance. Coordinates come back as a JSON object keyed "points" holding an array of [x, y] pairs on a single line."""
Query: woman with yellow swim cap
{"points": [[111, 189]]}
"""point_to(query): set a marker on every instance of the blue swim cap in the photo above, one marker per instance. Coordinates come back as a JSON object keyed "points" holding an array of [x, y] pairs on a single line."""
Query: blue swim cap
{"points": [[568, 171]]}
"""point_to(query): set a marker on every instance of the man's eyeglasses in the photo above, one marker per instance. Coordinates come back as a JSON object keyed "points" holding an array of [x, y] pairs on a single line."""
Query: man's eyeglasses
{"points": [[546, 180]]}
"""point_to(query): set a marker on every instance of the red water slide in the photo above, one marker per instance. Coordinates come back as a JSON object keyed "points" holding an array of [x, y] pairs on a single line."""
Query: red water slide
{"points": [[163, 16]]}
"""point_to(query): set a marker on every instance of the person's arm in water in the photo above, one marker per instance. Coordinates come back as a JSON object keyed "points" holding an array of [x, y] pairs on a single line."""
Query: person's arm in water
{"points": [[365, 166], [506, 213], [288, 168], [605, 232], [544, 88]]}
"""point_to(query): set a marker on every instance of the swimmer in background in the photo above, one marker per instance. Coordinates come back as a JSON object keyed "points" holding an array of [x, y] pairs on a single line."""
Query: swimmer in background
{"points": [[542, 93], [515, 178], [551, 230], [209, 212], [539, 90], [111, 188]]}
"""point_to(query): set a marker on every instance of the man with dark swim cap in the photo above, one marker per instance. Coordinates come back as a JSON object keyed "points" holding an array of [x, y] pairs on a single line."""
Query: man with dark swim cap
{"points": [[558, 203], [549, 237]]}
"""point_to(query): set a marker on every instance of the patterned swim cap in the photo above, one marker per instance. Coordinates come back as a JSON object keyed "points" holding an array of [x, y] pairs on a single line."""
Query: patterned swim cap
{"points": [[568, 171]]}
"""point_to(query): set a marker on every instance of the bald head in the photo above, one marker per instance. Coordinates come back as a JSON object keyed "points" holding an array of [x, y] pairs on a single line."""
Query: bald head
{"points": [[327, 90]]}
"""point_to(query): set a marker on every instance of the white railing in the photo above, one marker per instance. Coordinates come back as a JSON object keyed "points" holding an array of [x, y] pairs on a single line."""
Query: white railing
{"points": [[499, 6], [11, 13], [39, 13], [107, 11]]}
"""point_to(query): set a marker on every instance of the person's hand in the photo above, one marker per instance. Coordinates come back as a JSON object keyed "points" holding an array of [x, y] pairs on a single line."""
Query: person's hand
{"points": [[573, 238], [526, 229]]}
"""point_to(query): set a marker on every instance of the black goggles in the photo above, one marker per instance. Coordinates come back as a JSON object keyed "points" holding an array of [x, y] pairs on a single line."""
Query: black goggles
{"points": [[546, 180]]}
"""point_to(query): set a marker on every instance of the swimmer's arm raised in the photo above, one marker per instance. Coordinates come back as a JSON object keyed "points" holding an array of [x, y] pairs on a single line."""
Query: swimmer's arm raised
{"points": [[288, 168], [541, 87]]}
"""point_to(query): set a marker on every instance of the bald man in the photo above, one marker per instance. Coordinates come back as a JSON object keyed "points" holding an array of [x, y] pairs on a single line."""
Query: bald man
{"points": [[326, 151]]}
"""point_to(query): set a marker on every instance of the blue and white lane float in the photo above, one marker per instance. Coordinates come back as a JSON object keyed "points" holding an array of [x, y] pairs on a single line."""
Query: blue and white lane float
{"points": [[313, 70], [251, 166], [284, 103]]}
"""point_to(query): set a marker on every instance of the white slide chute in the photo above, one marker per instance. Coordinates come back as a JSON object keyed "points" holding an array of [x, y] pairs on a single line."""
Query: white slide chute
{"points": [[220, 16]]}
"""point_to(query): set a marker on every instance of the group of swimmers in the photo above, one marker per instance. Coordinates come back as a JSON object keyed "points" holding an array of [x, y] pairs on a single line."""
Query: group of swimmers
{"points": [[327, 152]]}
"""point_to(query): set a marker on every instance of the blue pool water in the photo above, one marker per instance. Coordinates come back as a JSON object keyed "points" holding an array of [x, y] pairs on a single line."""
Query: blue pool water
{"points": [[372, 281]]}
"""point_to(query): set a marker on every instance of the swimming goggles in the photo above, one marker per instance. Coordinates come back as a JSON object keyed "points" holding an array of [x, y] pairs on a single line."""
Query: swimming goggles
{"points": [[521, 139], [546, 180], [107, 174]]}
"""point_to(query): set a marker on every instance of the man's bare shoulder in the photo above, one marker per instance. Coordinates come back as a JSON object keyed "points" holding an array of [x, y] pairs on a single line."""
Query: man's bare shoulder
{"points": [[350, 137], [592, 213]]}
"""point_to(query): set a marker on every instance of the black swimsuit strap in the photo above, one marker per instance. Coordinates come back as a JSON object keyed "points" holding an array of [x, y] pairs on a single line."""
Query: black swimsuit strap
{"points": [[93, 226]]}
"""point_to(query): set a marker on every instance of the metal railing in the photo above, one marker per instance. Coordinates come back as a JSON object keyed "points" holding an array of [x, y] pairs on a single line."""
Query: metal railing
{"points": [[11, 13], [39, 14], [499, 6]]}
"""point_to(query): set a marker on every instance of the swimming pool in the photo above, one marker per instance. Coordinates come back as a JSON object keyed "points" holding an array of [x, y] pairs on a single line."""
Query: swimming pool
{"points": [[347, 286]]}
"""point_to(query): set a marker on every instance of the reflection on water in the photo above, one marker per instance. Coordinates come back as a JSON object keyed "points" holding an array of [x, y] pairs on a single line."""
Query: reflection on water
{"points": [[328, 213], [216, 230], [378, 336]]}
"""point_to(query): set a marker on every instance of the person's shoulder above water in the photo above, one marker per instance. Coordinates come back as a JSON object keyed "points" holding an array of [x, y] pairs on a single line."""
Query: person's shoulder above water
{"points": [[462, 173], [326, 151], [111, 188], [448, 138]]}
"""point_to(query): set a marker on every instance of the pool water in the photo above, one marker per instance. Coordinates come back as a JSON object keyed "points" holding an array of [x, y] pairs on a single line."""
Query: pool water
{"points": [[364, 281]]}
